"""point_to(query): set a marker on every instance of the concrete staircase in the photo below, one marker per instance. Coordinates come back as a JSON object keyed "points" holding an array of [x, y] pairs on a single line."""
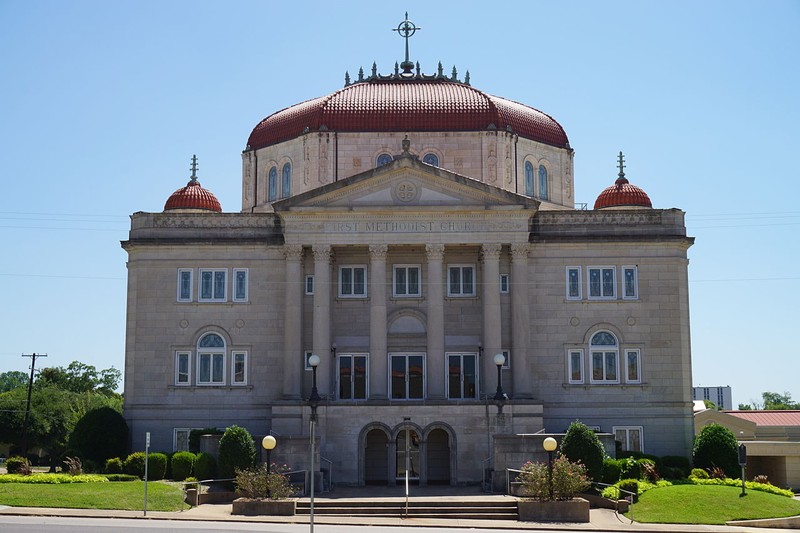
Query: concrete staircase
{"points": [[471, 508]]}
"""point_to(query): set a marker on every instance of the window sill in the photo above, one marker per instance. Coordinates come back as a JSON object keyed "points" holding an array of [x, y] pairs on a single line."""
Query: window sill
{"points": [[210, 386], [622, 386]]}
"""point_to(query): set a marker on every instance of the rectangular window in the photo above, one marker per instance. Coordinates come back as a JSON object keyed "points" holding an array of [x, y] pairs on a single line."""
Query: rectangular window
{"points": [[352, 282], [184, 285], [352, 374], [182, 368], [602, 283], [629, 438], [575, 366], [630, 280], [461, 280], [239, 368], [462, 376], [213, 285], [306, 364], [604, 367], [181, 439], [239, 284], [407, 376], [407, 281], [504, 283], [210, 369], [573, 283], [506, 359], [310, 284], [633, 372]]}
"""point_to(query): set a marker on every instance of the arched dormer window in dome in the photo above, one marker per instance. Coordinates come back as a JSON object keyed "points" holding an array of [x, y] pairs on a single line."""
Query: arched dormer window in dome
{"points": [[431, 159], [528, 178], [286, 180], [272, 190], [543, 189], [383, 159]]}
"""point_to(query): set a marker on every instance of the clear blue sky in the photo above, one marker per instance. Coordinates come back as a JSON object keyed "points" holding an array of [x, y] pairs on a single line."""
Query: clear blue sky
{"points": [[102, 105]]}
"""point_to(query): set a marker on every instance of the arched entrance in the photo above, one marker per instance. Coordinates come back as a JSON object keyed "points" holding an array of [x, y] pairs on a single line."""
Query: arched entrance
{"points": [[438, 447], [407, 450], [376, 458]]}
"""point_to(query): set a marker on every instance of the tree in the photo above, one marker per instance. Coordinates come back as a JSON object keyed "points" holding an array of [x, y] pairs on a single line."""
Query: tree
{"points": [[781, 402], [80, 377], [12, 380], [716, 446], [100, 434], [581, 445], [236, 451], [745, 407]]}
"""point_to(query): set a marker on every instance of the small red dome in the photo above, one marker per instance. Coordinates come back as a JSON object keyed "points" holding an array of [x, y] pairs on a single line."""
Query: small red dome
{"points": [[622, 194], [193, 196]]}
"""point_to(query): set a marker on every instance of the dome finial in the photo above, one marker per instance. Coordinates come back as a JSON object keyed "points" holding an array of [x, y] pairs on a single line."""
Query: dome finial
{"points": [[621, 165], [406, 29], [194, 168]]}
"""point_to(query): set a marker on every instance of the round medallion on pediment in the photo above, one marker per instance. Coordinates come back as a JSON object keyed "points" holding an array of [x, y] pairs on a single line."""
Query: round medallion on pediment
{"points": [[406, 191]]}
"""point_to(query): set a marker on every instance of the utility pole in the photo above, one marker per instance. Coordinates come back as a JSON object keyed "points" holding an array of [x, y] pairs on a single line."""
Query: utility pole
{"points": [[33, 357]]}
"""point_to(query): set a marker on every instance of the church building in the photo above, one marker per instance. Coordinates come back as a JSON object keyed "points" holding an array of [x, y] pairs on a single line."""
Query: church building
{"points": [[421, 238]]}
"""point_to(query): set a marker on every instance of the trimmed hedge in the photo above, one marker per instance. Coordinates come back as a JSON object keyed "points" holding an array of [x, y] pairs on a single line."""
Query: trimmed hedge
{"points": [[205, 467], [237, 451], [114, 465], [183, 465], [134, 465], [121, 477], [52, 479], [581, 445]]}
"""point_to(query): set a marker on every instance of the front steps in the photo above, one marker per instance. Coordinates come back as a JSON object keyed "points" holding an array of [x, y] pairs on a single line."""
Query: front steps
{"points": [[468, 508]]}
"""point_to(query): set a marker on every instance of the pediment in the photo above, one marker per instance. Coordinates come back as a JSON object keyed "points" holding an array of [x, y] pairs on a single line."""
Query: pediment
{"points": [[405, 184]]}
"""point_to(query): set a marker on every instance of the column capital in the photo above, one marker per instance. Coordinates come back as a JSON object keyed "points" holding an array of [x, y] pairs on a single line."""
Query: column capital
{"points": [[378, 251], [491, 250], [322, 252], [434, 251], [519, 251], [293, 252]]}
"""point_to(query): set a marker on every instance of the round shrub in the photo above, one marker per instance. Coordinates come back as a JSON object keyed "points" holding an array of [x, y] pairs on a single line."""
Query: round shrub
{"points": [[716, 446], [205, 467], [183, 465], [630, 485], [134, 465], [699, 473], [156, 466], [611, 470], [113, 465], [100, 434], [580, 444], [18, 465], [236, 451]]}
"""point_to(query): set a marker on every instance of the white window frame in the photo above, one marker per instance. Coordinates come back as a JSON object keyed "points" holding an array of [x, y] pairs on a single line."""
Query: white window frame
{"points": [[461, 293], [352, 356], [352, 269], [626, 445], [188, 357], [406, 268], [406, 355], [236, 272], [212, 355], [309, 284], [602, 295], [477, 384], [234, 356], [306, 364], [634, 295], [506, 359], [181, 272], [505, 283], [571, 366], [579, 287], [604, 351], [215, 297], [175, 432], [638, 356]]}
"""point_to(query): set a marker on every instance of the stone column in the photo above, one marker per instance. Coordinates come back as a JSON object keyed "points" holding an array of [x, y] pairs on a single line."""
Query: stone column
{"points": [[322, 316], [520, 322], [435, 326], [492, 323], [293, 325], [377, 322]]}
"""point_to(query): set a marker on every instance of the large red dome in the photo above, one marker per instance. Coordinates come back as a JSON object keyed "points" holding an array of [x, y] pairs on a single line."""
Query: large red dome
{"points": [[407, 106], [622, 194], [193, 196]]}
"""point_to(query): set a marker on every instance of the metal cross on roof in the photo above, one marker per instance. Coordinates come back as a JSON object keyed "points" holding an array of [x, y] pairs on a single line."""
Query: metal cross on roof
{"points": [[406, 29], [194, 167], [621, 159]]}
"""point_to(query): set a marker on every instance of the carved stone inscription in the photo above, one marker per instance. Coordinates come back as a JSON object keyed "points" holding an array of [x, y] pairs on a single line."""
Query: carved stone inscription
{"points": [[419, 226]]}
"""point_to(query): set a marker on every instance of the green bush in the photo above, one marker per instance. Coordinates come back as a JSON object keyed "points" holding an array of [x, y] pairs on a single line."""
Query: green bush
{"points": [[630, 485], [183, 465], [581, 445], [113, 465], [730, 482], [699, 473], [630, 468], [675, 467], [611, 470], [134, 465], [156, 466], [260, 482], [236, 451], [18, 465], [205, 467], [101, 433], [568, 479], [121, 477], [42, 478], [716, 446]]}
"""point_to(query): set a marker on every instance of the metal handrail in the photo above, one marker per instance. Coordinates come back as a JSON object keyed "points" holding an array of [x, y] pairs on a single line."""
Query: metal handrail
{"points": [[330, 472], [487, 484], [508, 478]]}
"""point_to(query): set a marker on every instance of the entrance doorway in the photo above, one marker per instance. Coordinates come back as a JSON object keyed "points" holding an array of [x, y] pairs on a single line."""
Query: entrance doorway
{"points": [[438, 446], [376, 460], [408, 449]]}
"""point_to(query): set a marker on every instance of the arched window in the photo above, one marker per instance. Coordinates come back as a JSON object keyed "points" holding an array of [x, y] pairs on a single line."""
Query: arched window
{"points": [[211, 360], [286, 181], [543, 183], [604, 356], [528, 178], [431, 159], [272, 191], [383, 159]]}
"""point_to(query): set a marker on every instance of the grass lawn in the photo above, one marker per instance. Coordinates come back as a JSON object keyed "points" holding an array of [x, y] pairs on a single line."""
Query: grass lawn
{"points": [[709, 504], [125, 495]]}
